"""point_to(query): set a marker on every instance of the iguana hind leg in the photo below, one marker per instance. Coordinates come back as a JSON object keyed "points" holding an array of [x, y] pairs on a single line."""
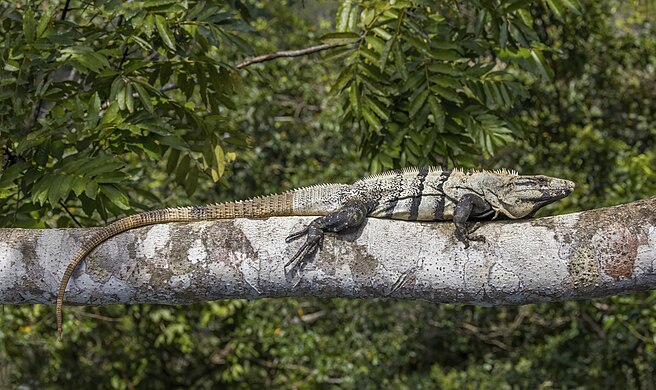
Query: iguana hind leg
{"points": [[351, 215], [469, 206]]}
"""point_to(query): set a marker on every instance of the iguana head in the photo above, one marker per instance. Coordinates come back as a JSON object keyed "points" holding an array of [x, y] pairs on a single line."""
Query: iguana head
{"points": [[517, 196]]}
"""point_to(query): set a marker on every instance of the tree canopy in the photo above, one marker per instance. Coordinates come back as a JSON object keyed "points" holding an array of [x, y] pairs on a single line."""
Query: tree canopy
{"points": [[113, 107]]}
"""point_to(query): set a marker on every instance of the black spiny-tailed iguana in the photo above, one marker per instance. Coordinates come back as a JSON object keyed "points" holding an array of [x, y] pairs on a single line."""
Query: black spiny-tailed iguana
{"points": [[414, 194]]}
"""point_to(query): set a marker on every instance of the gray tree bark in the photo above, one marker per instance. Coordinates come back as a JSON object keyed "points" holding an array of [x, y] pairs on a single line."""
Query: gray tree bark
{"points": [[583, 255]]}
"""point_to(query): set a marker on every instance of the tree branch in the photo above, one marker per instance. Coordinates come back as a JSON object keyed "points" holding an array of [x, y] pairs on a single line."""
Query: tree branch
{"points": [[595, 253], [65, 11], [285, 53], [267, 57]]}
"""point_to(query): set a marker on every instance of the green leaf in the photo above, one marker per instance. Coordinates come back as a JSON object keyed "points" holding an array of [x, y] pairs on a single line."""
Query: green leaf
{"points": [[65, 186], [145, 45], [554, 5], [28, 25], [417, 43], [417, 78], [11, 66], [480, 21], [165, 72], [503, 33], [39, 193], [371, 119], [174, 142], [129, 99], [507, 100], [88, 204], [355, 99], [418, 103], [448, 82], [399, 62], [195, 11], [202, 80], [384, 55], [225, 100], [164, 32], [542, 67], [79, 185], [369, 55], [382, 33], [444, 55], [376, 107], [98, 164], [343, 79], [120, 97], [183, 169], [118, 85], [85, 58], [192, 181], [238, 41], [111, 114], [444, 68], [144, 97], [11, 173], [219, 159], [385, 160], [44, 21], [377, 44], [343, 15], [115, 196], [93, 106], [437, 111], [96, 62], [573, 5], [447, 93], [172, 162], [148, 25], [515, 5]]}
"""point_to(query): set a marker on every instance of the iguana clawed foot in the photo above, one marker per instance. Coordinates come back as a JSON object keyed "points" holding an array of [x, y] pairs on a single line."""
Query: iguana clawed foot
{"points": [[470, 205], [352, 214], [464, 233], [313, 241]]}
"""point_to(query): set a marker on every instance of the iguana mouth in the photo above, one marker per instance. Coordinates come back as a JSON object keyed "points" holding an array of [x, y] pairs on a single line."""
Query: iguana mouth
{"points": [[560, 191]]}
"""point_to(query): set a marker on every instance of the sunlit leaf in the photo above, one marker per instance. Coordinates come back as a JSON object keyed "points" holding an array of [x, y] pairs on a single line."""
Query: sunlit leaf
{"points": [[164, 31]]}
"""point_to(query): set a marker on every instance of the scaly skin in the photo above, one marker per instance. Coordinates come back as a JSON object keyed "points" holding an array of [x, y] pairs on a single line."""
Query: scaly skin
{"points": [[413, 194], [262, 207]]}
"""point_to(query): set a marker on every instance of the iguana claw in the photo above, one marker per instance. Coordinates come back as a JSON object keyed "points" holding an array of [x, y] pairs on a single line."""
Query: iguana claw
{"points": [[313, 241], [351, 215]]}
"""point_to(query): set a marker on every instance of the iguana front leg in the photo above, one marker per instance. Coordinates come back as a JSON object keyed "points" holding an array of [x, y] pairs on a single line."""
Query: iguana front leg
{"points": [[469, 206], [351, 215]]}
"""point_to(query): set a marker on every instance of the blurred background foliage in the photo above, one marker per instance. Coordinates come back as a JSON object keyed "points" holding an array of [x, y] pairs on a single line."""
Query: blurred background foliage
{"points": [[110, 107]]}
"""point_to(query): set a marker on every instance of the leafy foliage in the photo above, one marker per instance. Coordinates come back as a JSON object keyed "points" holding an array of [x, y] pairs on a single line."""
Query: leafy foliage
{"points": [[597, 119], [94, 95], [434, 82]]}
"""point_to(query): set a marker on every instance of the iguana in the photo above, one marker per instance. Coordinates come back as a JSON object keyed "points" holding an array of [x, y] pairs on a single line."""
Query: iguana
{"points": [[412, 194]]}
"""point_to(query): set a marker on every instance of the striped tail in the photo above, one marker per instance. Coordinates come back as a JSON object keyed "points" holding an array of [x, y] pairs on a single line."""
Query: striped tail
{"points": [[261, 207]]}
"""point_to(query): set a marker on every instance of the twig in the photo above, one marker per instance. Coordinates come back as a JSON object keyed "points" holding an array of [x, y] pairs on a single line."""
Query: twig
{"points": [[286, 53], [269, 57], [83, 313], [65, 11], [62, 204]]}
